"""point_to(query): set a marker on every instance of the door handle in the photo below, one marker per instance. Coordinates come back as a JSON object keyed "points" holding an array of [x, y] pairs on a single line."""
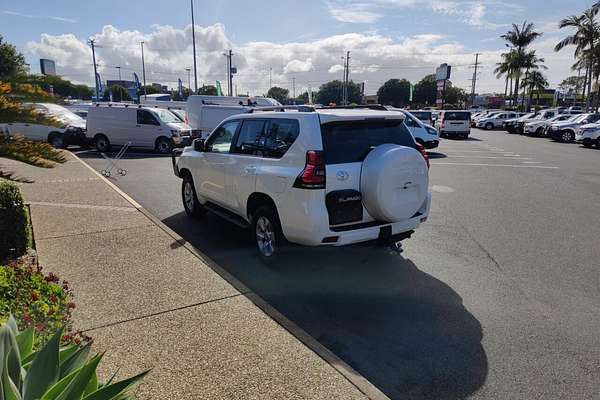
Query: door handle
{"points": [[250, 170]]}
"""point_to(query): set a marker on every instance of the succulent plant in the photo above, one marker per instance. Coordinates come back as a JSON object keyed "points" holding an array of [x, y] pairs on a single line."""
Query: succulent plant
{"points": [[53, 372]]}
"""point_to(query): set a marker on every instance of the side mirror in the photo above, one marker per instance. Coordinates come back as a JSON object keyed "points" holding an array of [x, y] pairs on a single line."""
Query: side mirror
{"points": [[199, 144]]}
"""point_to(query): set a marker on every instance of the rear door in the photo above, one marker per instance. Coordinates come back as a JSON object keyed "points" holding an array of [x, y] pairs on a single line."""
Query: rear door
{"points": [[345, 146], [457, 121]]}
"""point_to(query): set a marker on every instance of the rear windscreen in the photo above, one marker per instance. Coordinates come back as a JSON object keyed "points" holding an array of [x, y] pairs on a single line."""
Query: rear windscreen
{"points": [[457, 116], [351, 141], [423, 116]]}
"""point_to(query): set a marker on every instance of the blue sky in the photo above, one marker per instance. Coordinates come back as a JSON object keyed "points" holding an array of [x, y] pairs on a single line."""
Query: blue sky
{"points": [[301, 41]]}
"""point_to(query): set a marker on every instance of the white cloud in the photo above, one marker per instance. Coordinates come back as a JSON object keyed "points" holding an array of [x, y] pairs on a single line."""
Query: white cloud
{"points": [[31, 16], [298, 66], [374, 58], [353, 13], [334, 69]]}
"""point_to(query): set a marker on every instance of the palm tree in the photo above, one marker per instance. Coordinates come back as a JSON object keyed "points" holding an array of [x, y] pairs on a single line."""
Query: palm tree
{"points": [[505, 68], [587, 33], [535, 81], [519, 37], [531, 62]]}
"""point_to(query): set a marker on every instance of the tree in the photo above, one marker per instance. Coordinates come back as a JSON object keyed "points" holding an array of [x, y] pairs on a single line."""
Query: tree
{"points": [[279, 94], [119, 93], [585, 40], [455, 95], [303, 97], [572, 84], [149, 90], [395, 92], [519, 37], [12, 63], [331, 92], [506, 68], [426, 91], [59, 86], [535, 80], [208, 90]]}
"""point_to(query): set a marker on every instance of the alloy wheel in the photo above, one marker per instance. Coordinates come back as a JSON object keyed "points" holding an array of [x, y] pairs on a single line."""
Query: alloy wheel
{"points": [[188, 195], [265, 236]]}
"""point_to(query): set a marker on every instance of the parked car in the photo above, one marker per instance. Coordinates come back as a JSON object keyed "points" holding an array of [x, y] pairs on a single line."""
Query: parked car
{"points": [[537, 127], [482, 114], [565, 131], [454, 123], [68, 130], [425, 116], [496, 120], [588, 135], [147, 127], [424, 134], [332, 176], [512, 125], [541, 116]]}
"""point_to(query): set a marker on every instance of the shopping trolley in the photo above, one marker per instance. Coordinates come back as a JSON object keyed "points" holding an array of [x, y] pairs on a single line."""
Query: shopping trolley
{"points": [[112, 162]]}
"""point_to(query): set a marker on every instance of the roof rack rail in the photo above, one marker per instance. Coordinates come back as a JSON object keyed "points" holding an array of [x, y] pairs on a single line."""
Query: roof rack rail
{"points": [[377, 107], [283, 108]]}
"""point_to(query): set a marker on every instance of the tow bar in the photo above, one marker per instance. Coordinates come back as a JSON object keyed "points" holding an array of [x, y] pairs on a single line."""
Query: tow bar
{"points": [[393, 242]]}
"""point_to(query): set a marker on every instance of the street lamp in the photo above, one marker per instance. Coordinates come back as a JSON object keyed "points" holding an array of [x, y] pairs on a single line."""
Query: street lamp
{"points": [[189, 79]]}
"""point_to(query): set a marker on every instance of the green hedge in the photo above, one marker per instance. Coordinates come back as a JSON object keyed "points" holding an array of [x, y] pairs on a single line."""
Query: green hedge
{"points": [[14, 231]]}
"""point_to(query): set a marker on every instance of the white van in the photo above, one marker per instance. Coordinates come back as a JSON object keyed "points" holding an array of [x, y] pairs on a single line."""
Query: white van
{"points": [[204, 113], [424, 134], [155, 128], [454, 123], [71, 129]]}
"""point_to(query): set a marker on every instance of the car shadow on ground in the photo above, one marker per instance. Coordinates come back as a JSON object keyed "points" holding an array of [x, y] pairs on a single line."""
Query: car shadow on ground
{"points": [[434, 154], [404, 330], [130, 154]]}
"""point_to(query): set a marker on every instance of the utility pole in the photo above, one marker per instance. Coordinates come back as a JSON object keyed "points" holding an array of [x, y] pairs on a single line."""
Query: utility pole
{"points": [[119, 68], [143, 69], [346, 75], [270, 80], [228, 55], [294, 89], [474, 83], [194, 47], [93, 43]]}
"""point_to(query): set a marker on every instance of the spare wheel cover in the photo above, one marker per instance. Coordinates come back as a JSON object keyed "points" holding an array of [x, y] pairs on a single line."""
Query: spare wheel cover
{"points": [[394, 182]]}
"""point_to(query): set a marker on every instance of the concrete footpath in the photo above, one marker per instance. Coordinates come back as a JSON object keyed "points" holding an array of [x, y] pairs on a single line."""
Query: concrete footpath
{"points": [[150, 300]]}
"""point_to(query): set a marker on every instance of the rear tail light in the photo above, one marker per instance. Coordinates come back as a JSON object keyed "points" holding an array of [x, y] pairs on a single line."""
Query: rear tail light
{"points": [[313, 174], [423, 153]]}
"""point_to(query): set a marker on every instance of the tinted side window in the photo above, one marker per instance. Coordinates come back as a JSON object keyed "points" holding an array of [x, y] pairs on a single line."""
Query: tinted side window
{"points": [[248, 138], [281, 134], [145, 117], [351, 141], [411, 123]]}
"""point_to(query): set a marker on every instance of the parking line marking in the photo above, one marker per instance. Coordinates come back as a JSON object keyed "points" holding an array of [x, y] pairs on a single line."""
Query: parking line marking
{"points": [[532, 162], [498, 158], [495, 165]]}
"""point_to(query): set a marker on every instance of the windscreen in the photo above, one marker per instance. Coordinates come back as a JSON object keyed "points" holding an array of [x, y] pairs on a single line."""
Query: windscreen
{"points": [[422, 115], [63, 114], [351, 141], [166, 116], [457, 116]]}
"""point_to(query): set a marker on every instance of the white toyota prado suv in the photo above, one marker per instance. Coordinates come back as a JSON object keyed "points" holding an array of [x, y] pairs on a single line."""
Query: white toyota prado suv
{"points": [[328, 176]]}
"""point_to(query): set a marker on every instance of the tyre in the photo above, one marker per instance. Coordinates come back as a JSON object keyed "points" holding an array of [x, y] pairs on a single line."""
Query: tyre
{"points": [[598, 143], [163, 146], [567, 136], [102, 143], [539, 132], [192, 206], [56, 140], [587, 143], [489, 126], [266, 230]]}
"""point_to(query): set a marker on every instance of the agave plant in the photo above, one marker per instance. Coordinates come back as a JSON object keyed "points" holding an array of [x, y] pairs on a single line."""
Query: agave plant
{"points": [[53, 372]]}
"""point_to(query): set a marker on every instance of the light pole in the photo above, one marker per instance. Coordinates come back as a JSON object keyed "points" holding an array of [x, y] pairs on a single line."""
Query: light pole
{"points": [[194, 47], [92, 43], [189, 79], [143, 69], [119, 68]]}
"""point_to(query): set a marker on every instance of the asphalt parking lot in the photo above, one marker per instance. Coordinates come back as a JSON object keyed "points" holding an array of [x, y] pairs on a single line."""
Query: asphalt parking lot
{"points": [[497, 295]]}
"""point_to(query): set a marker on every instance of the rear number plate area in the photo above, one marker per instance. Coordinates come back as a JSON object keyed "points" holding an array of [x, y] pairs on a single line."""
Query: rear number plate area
{"points": [[344, 206]]}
